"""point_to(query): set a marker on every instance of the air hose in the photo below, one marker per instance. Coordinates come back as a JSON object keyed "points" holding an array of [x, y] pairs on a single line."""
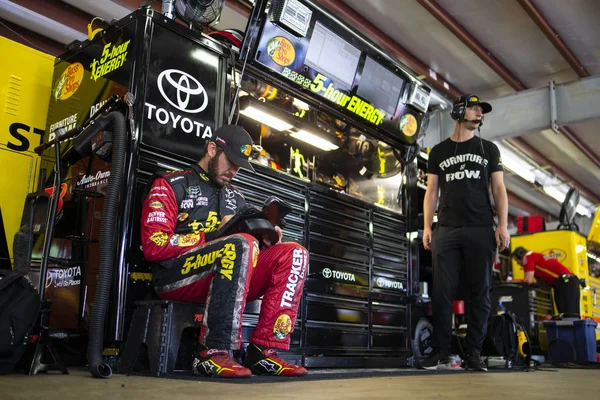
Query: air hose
{"points": [[107, 246]]}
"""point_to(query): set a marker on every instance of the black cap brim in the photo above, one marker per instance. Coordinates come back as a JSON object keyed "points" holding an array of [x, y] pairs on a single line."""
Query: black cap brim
{"points": [[240, 162], [485, 107], [246, 165]]}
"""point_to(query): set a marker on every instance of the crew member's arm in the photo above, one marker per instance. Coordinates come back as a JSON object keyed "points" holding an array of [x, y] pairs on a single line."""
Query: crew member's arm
{"points": [[500, 199], [159, 218], [431, 197], [530, 276], [429, 203], [231, 201], [529, 268]]}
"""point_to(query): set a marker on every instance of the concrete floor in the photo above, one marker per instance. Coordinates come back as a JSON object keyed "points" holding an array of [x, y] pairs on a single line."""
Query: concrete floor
{"points": [[79, 385]]}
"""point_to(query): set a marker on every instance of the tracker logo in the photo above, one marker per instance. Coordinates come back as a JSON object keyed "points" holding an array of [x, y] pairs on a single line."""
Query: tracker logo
{"points": [[295, 278], [184, 92]]}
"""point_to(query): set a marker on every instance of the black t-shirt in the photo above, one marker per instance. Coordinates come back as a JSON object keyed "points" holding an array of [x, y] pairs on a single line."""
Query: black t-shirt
{"points": [[464, 196]]}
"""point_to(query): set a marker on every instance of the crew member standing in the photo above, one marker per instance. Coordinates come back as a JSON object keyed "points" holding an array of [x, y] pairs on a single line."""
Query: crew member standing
{"points": [[461, 168], [551, 271]]}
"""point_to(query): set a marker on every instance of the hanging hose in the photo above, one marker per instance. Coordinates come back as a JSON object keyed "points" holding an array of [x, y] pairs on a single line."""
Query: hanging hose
{"points": [[107, 247]]}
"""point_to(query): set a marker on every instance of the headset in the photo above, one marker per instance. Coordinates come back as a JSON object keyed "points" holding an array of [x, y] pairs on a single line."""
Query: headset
{"points": [[460, 108]]}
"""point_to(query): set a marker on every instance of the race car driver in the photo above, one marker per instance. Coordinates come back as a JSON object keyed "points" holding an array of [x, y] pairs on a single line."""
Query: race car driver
{"points": [[555, 274], [180, 208]]}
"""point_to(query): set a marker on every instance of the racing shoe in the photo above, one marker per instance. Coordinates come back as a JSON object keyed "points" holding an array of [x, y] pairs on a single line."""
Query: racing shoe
{"points": [[217, 363], [437, 360], [263, 361]]}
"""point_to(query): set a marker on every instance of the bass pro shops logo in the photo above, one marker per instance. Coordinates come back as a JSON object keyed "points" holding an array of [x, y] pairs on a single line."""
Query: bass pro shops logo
{"points": [[68, 82], [184, 92]]}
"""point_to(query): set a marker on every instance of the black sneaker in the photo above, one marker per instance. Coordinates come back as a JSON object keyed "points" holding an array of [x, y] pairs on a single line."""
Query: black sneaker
{"points": [[474, 363], [437, 360]]}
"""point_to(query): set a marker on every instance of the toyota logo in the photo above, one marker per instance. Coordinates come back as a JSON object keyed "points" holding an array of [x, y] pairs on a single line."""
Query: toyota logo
{"points": [[380, 282], [326, 273], [49, 279], [187, 88]]}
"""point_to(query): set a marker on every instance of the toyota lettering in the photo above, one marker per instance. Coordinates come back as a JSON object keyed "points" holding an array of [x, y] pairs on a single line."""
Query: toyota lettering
{"points": [[186, 94]]}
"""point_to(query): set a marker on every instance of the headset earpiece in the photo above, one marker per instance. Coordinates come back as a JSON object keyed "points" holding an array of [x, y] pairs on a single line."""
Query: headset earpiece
{"points": [[459, 109]]}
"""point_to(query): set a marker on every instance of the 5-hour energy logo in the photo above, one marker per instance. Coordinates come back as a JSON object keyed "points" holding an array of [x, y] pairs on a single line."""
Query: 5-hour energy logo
{"points": [[353, 104], [113, 58], [227, 254]]}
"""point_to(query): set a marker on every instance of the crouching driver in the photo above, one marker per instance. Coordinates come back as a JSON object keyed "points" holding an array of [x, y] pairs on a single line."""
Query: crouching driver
{"points": [[180, 209]]}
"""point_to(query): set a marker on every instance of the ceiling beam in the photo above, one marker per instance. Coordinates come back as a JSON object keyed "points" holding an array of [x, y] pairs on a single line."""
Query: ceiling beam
{"points": [[530, 110], [543, 161], [105, 9], [580, 144], [469, 40], [59, 12], [357, 21], [553, 37], [31, 39], [524, 205], [44, 25]]}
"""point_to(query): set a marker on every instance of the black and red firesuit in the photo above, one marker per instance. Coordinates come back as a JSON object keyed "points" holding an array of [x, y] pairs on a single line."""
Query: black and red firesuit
{"points": [[180, 208]]}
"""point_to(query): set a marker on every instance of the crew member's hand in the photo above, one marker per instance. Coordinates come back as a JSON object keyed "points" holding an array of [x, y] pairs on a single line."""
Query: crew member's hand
{"points": [[225, 220], [502, 237], [427, 238], [529, 280], [279, 232]]}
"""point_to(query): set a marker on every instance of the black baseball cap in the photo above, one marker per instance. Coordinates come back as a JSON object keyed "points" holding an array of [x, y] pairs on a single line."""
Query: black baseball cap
{"points": [[236, 143], [470, 100]]}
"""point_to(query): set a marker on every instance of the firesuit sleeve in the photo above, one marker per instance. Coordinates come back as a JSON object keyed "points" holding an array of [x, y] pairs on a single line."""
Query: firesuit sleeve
{"points": [[159, 218], [231, 201]]}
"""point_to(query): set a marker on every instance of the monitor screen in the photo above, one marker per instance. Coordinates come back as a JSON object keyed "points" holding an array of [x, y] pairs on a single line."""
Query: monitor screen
{"points": [[380, 86], [332, 56]]}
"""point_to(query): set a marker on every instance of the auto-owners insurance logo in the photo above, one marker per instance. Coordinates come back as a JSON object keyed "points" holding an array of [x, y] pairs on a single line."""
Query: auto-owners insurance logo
{"points": [[184, 92]]}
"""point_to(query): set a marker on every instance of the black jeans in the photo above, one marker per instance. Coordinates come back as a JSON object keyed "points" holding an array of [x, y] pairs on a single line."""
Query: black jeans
{"points": [[566, 295], [468, 250]]}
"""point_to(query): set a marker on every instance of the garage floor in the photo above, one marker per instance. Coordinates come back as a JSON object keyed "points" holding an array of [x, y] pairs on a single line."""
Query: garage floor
{"points": [[79, 385]]}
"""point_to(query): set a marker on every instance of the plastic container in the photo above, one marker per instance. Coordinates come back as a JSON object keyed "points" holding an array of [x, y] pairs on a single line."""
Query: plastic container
{"points": [[571, 340]]}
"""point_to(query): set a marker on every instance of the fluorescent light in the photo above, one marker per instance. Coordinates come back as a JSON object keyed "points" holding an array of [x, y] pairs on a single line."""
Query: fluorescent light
{"points": [[555, 193], [581, 210], [519, 167], [265, 118], [300, 104], [315, 140], [516, 164]]}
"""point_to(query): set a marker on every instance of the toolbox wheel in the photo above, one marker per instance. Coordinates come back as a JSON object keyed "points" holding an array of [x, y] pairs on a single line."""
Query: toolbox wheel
{"points": [[421, 345]]}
